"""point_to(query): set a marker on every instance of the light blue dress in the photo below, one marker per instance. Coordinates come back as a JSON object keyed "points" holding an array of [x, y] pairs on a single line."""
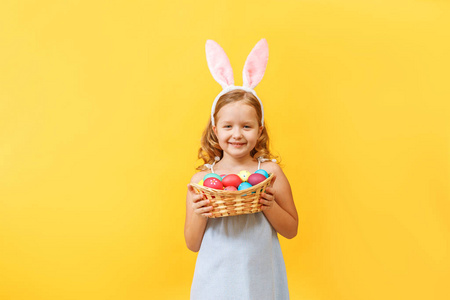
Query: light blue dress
{"points": [[240, 258]]}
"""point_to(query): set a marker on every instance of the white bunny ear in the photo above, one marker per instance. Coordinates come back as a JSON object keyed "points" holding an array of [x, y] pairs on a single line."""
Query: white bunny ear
{"points": [[255, 65], [219, 64]]}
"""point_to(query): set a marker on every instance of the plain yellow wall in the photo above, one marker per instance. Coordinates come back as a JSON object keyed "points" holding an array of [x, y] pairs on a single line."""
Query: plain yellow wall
{"points": [[102, 104]]}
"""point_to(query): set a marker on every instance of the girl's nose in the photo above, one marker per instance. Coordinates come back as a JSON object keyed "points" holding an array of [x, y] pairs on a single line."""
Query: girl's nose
{"points": [[237, 133]]}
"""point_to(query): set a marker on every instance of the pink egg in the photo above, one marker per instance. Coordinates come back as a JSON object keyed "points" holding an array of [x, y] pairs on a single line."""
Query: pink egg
{"points": [[232, 180], [256, 178], [231, 188], [213, 183]]}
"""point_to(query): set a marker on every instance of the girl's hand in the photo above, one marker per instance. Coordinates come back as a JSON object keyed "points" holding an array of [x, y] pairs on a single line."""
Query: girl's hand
{"points": [[268, 198], [200, 205]]}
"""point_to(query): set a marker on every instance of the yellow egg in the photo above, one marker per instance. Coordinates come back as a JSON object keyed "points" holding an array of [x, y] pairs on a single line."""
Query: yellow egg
{"points": [[244, 174], [201, 182]]}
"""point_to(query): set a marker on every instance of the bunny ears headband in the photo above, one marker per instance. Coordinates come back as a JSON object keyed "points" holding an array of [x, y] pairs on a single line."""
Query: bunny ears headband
{"points": [[254, 68]]}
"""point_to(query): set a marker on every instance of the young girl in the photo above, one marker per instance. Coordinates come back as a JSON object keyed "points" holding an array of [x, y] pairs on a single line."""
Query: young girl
{"points": [[239, 256]]}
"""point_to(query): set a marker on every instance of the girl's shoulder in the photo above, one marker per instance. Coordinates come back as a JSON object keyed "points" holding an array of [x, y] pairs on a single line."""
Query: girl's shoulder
{"points": [[272, 167], [199, 176]]}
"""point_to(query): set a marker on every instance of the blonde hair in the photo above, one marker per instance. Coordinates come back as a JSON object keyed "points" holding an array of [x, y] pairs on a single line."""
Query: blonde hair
{"points": [[210, 147]]}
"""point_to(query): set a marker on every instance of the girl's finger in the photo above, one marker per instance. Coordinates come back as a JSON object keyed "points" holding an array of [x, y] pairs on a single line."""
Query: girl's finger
{"points": [[202, 203], [268, 196], [273, 180], [265, 202], [191, 189], [206, 209], [197, 205], [196, 198], [268, 191]]}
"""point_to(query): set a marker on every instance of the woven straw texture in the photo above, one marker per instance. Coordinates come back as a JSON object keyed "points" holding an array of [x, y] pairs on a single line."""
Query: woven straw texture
{"points": [[232, 203]]}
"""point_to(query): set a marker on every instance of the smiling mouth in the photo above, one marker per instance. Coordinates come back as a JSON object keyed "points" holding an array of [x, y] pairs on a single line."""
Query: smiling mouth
{"points": [[237, 144]]}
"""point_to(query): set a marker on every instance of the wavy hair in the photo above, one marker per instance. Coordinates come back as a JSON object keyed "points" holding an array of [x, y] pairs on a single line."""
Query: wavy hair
{"points": [[210, 147]]}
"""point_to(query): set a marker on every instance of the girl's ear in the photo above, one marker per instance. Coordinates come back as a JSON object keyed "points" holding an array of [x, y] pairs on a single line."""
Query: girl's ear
{"points": [[260, 130], [215, 130]]}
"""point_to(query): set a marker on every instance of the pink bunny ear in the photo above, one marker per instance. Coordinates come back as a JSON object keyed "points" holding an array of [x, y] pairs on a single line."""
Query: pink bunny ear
{"points": [[219, 64], [255, 65]]}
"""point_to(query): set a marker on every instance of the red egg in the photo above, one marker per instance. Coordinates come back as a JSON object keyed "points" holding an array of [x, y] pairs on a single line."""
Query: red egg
{"points": [[232, 180], [230, 188], [213, 183], [256, 178]]}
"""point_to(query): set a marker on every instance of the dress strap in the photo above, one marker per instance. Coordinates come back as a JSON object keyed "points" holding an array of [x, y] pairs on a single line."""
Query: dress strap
{"points": [[262, 159], [209, 166]]}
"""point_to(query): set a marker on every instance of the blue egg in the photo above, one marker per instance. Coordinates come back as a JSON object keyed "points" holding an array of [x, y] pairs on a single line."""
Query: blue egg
{"points": [[261, 171], [212, 175], [244, 185]]}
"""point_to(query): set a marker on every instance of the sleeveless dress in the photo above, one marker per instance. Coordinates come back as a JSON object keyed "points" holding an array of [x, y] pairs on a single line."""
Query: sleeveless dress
{"points": [[240, 258]]}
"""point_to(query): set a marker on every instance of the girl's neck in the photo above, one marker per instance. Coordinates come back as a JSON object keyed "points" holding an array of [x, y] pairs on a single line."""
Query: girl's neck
{"points": [[236, 164]]}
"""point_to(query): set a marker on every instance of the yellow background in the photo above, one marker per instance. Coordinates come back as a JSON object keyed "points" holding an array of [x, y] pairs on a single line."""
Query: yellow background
{"points": [[102, 104]]}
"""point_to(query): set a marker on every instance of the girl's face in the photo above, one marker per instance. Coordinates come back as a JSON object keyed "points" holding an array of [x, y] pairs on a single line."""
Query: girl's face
{"points": [[237, 129]]}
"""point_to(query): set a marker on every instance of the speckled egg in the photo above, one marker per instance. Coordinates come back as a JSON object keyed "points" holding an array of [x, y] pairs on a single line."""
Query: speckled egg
{"points": [[213, 183], [244, 174]]}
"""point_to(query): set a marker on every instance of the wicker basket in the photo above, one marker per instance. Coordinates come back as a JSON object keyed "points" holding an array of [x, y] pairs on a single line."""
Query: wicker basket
{"points": [[232, 203]]}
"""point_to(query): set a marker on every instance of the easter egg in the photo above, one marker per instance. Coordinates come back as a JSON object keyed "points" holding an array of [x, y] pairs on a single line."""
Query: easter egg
{"points": [[256, 178], [232, 180], [244, 174], [261, 171], [230, 188], [244, 185], [223, 175], [213, 175], [213, 183], [201, 182]]}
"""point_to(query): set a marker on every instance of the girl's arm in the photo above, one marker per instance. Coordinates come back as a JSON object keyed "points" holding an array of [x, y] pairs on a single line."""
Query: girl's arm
{"points": [[281, 213], [197, 211]]}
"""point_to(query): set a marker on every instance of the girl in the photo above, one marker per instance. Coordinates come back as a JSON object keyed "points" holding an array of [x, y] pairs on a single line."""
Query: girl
{"points": [[239, 256]]}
